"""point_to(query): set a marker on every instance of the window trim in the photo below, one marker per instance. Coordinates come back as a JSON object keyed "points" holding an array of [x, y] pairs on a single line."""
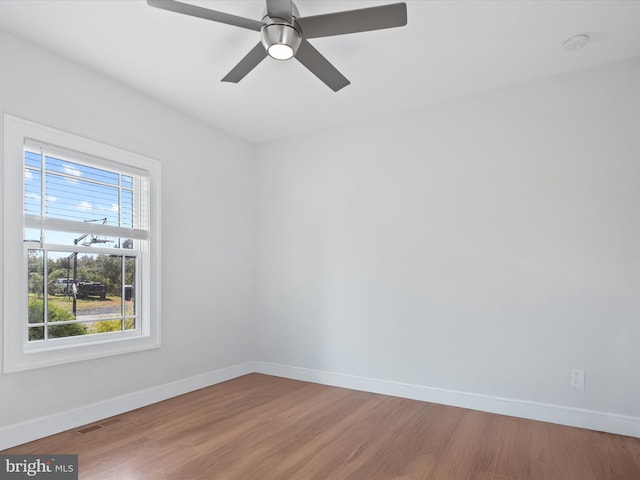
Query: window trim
{"points": [[16, 357]]}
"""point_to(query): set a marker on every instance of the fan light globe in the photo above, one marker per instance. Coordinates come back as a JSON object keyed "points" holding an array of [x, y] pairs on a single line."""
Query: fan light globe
{"points": [[280, 51]]}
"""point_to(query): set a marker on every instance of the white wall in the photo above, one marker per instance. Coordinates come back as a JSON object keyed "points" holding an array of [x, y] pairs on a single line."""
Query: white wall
{"points": [[486, 245], [206, 270]]}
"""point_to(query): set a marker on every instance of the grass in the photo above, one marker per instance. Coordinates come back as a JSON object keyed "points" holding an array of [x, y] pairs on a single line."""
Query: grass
{"points": [[65, 302]]}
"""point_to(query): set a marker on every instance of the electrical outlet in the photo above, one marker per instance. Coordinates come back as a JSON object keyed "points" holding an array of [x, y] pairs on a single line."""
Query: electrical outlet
{"points": [[577, 379]]}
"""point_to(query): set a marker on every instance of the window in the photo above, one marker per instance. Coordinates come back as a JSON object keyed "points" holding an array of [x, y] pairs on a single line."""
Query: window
{"points": [[81, 231]]}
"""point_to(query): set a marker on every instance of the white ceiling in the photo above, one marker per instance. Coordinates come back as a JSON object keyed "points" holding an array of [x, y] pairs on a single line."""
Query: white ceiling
{"points": [[448, 49]]}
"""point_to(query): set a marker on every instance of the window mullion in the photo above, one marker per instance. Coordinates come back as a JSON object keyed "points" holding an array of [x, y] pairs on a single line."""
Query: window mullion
{"points": [[123, 301], [45, 294], [45, 270], [119, 199], [43, 195]]}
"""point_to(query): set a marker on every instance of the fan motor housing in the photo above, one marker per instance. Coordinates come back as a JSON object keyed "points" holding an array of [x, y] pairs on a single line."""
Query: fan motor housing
{"points": [[278, 33]]}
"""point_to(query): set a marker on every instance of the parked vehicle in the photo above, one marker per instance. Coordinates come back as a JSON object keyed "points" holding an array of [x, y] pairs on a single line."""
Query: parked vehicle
{"points": [[91, 289], [128, 292], [62, 286]]}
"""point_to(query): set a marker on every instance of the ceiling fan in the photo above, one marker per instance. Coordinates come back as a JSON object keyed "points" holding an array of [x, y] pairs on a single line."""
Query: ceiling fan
{"points": [[284, 34]]}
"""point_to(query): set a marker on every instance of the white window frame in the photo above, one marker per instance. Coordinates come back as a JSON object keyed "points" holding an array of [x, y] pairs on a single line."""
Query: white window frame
{"points": [[18, 355]]}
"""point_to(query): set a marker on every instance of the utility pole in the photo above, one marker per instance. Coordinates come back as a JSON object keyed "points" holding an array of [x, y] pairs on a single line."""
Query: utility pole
{"points": [[92, 240]]}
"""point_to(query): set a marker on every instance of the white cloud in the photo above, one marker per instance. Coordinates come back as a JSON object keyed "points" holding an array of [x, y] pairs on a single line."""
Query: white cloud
{"points": [[51, 198], [32, 196], [71, 170], [28, 175], [114, 207], [84, 206]]}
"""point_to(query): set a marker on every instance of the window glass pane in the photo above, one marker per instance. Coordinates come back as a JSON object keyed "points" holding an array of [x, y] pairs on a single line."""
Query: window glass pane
{"points": [[127, 181], [32, 192], [127, 209], [81, 200], [78, 171], [67, 330], [35, 259], [60, 277], [36, 333], [104, 326], [129, 286], [32, 159]]}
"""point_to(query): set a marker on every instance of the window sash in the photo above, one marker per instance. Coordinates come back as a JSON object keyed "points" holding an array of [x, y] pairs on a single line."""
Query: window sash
{"points": [[45, 343], [139, 191]]}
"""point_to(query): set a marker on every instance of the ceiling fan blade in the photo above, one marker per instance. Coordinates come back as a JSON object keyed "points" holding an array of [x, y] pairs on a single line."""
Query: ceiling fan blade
{"points": [[320, 66], [353, 21], [280, 9], [248, 63], [205, 13]]}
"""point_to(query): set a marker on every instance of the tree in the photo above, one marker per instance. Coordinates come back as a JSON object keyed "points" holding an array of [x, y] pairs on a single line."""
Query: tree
{"points": [[36, 272], [36, 283], [110, 268]]}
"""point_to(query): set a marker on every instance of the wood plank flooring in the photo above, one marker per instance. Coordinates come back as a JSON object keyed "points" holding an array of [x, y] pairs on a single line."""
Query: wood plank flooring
{"points": [[267, 428]]}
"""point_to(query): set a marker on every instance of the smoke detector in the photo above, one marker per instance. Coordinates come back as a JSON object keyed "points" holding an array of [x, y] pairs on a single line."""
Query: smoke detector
{"points": [[576, 42]]}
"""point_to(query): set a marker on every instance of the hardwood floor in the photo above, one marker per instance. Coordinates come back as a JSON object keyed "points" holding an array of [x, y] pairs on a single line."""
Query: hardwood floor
{"points": [[266, 428]]}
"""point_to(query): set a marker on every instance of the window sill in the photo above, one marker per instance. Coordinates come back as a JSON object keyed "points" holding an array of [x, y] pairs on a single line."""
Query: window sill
{"points": [[17, 361]]}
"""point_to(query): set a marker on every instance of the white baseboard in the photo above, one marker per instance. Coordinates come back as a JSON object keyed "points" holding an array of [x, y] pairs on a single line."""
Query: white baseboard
{"points": [[40, 427], [23, 432], [574, 417]]}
